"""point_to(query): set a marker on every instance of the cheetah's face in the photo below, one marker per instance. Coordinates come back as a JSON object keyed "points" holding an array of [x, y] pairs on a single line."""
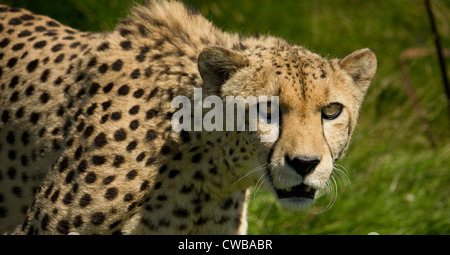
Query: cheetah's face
{"points": [[319, 102]]}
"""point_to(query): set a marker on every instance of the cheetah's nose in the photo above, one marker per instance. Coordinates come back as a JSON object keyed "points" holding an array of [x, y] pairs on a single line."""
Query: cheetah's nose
{"points": [[302, 165]]}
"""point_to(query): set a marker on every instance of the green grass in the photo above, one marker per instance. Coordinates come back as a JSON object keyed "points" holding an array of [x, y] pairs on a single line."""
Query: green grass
{"points": [[399, 184]]}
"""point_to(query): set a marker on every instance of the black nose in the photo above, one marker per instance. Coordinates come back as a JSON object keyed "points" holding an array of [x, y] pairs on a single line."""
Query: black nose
{"points": [[302, 165]]}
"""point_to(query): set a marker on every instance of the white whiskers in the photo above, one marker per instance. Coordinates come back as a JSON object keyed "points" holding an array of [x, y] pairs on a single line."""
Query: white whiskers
{"points": [[339, 177], [253, 171]]}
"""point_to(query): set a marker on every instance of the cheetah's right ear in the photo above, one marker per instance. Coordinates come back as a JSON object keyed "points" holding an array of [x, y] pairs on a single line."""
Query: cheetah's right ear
{"points": [[217, 64], [361, 65]]}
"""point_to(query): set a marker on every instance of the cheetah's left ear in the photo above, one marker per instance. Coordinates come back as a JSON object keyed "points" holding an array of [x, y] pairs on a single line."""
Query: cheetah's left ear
{"points": [[361, 65], [217, 64]]}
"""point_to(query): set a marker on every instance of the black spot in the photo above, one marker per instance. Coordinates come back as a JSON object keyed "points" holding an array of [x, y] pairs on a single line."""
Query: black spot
{"points": [[323, 74], [4, 43], [109, 179], [44, 222], [128, 197], [126, 45], [144, 185], [111, 193], [117, 65], [198, 176], [173, 173], [10, 138], [14, 97], [134, 110], [135, 74], [118, 160], [98, 160], [178, 156], [185, 189], [40, 44], [24, 33], [104, 46], [5, 116], [15, 21], [180, 213], [44, 75], [40, 29], [69, 176], [27, 17], [106, 105], [151, 114], [59, 58], [124, 32], [97, 218], [78, 221], [104, 118], [18, 46], [94, 88], [165, 150], [78, 79], [100, 140], [58, 81], [85, 200], [120, 135], [88, 131], [140, 157], [17, 191], [148, 71], [51, 23], [74, 45], [103, 68], [196, 158], [29, 90], [150, 161], [134, 124], [34, 117], [44, 97], [11, 62], [138, 93], [63, 164], [67, 200], [140, 57], [108, 88], [25, 138], [123, 90], [152, 93], [131, 175], [131, 146], [55, 196], [185, 136], [20, 113], [92, 62], [78, 152], [90, 177], [161, 198], [227, 204], [63, 227], [116, 115], [12, 172]]}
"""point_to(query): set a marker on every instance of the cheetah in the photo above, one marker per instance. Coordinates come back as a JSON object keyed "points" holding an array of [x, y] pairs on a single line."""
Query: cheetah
{"points": [[86, 141]]}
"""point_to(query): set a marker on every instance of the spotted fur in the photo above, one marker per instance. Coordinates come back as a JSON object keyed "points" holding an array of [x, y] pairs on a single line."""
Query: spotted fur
{"points": [[86, 143]]}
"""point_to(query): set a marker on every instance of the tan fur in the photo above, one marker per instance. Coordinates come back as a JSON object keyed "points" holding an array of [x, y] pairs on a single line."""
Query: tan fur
{"points": [[90, 149]]}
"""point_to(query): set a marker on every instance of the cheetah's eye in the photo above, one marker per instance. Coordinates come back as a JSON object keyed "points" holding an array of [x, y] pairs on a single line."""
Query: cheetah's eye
{"points": [[332, 111]]}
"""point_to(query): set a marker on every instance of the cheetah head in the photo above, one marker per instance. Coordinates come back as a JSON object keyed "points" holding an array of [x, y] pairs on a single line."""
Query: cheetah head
{"points": [[318, 104]]}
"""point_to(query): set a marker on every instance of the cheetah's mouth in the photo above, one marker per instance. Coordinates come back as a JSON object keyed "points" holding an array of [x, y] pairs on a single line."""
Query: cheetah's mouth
{"points": [[299, 191]]}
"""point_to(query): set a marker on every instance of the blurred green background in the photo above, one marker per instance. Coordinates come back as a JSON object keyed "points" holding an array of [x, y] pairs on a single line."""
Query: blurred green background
{"points": [[399, 184]]}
